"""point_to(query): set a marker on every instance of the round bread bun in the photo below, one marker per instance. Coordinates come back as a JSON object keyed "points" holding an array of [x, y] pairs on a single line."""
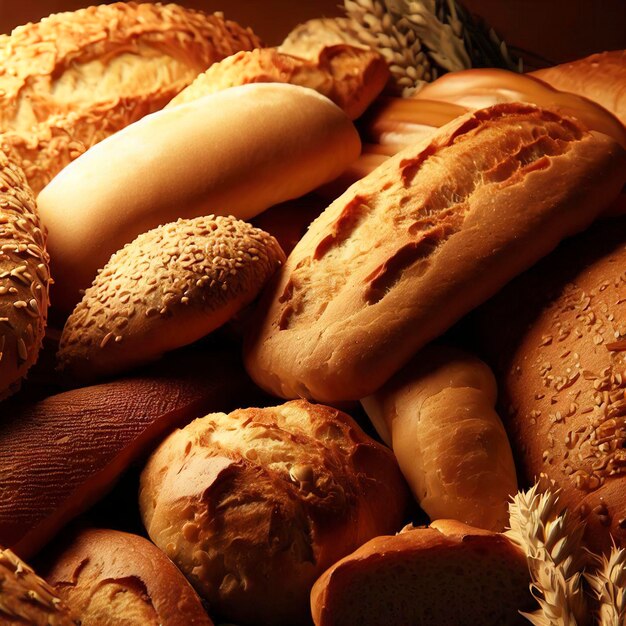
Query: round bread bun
{"points": [[27, 599], [24, 278], [447, 575], [112, 577], [168, 288], [253, 506]]}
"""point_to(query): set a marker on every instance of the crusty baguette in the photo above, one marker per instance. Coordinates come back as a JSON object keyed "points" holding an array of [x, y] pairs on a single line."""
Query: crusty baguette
{"points": [[60, 455], [91, 72], [600, 77], [449, 574], [561, 362], [24, 278], [253, 506], [235, 152], [449, 441], [111, 577], [422, 240], [350, 77]]}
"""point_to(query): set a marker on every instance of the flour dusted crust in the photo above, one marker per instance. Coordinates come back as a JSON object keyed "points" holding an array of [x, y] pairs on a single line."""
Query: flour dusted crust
{"points": [[423, 239], [253, 506]]}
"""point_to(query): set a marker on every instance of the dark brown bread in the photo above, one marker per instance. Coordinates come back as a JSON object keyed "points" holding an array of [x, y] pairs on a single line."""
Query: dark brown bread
{"points": [[111, 577], [447, 575], [559, 350], [422, 240]]}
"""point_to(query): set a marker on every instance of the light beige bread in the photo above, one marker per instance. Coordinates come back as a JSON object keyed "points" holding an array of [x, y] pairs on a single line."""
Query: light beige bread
{"points": [[28, 599], [60, 455], [253, 506], [438, 411], [600, 77], [350, 77], [111, 577], [236, 152], [561, 363], [422, 240], [96, 70], [24, 278], [448, 574], [168, 288]]}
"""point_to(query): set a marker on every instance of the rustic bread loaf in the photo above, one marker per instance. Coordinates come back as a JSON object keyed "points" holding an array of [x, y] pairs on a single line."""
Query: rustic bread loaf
{"points": [[449, 574], [561, 365], [422, 240], [600, 77], [60, 455], [236, 152], [449, 441], [255, 505], [350, 77], [24, 278], [168, 288], [111, 577], [96, 70]]}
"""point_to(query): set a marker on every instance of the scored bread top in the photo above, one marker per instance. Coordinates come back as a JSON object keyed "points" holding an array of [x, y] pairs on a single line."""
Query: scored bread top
{"points": [[423, 239]]}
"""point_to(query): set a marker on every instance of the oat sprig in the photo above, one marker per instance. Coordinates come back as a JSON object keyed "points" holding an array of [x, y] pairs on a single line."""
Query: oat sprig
{"points": [[608, 583], [551, 539]]}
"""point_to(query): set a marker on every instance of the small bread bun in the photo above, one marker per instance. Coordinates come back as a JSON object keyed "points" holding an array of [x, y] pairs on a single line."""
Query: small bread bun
{"points": [[449, 574], [449, 441], [236, 152], [24, 278], [168, 288], [253, 506], [111, 577], [60, 455], [28, 600]]}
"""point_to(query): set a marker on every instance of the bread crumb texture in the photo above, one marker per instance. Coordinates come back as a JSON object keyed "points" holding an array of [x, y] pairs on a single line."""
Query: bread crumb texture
{"points": [[167, 288], [24, 278]]}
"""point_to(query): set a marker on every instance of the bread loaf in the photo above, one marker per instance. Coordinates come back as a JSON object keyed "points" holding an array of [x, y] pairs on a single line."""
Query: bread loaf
{"points": [[96, 70], [111, 577], [24, 278], [350, 77], [449, 574], [422, 240], [253, 506], [168, 288], [600, 77], [27, 598], [561, 363], [60, 455], [235, 152], [449, 441]]}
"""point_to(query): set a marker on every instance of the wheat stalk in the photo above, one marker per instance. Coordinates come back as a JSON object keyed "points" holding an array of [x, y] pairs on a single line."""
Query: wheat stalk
{"points": [[609, 585], [551, 539]]}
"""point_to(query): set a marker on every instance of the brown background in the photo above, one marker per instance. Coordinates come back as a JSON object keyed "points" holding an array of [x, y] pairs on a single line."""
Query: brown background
{"points": [[555, 29]]}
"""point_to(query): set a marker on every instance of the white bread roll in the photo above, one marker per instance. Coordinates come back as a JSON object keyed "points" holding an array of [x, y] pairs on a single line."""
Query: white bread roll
{"points": [[236, 152], [438, 414]]}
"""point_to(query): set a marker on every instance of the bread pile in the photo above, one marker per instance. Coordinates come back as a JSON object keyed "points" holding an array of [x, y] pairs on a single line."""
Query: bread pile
{"points": [[255, 423]]}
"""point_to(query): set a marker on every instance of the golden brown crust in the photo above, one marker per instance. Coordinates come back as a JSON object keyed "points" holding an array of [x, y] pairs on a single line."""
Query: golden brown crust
{"points": [[350, 77], [422, 240], [600, 77], [60, 455], [109, 576], [24, 278], [25, 598], [449, 574], [266, 499], [168, 288], [561, 363]]}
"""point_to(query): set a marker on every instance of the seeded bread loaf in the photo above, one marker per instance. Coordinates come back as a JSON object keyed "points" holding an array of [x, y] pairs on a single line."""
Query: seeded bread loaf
{"points": [[111, 577], [253, 506], [422, 240], [24, 278], [96, 70]]}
